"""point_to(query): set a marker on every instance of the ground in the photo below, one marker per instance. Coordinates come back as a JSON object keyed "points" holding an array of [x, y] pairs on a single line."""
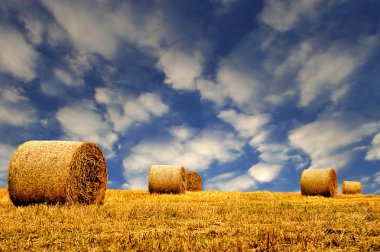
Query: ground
{"points": [[195, 221]]}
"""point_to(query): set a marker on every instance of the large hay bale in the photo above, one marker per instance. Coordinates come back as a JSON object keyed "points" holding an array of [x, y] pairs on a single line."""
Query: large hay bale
{"points": [[193, 182], [321, 182], [167, 179], [57, 172], [351, 187]]}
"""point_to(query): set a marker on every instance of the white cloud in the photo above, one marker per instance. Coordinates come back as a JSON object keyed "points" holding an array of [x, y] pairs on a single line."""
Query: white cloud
{"points": [[34, 28], [196, 151], [55, 34], [273, 153], [264, 172], [182, 133], [82, 122], [15, 108], [272, 160], [328, 139], [283, 15], [377, 178], [212, 91], [296, 58], [324, 72], [374, 152], [137, 183], [223, 176], [125, 111], [232, 84], [16, 56], [66, 78], [97, 27], [224, 182], [252, 127], [6, 152], [181, 69], [371, 183], [89, 27], [248, 126]]}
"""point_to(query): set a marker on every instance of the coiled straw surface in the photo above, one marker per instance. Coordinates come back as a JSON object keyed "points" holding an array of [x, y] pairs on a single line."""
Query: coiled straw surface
{"points": [[167, 179], [57, 172], [323, 182], [193, 181], [351, 187]]}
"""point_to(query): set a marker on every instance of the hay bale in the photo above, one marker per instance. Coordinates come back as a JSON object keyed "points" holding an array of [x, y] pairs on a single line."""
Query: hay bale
{"points": [[57, 172], [193, 182], [351, 187], [321, 182], [167, 179]]}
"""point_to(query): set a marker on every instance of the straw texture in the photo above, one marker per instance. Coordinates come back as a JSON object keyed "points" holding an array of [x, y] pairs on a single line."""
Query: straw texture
{"points": [[57, 172], [167, 179], [321, 182], [351, 187], [193, 182]]}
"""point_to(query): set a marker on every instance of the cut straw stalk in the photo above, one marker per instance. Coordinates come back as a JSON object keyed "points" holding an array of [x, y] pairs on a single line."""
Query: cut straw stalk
{"points": [[167, 179], [321, 182], [351, 187], [57, 172], [193, 181]]}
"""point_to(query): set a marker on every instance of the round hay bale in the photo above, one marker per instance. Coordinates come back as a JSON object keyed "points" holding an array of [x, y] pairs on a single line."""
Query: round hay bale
{"points": [[57, 172], [167, 179], [321, 182], [193, 182], [351, 187]]}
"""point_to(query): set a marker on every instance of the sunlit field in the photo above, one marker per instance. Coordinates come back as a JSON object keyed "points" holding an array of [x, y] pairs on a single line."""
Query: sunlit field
{"points": [[196, 221]]}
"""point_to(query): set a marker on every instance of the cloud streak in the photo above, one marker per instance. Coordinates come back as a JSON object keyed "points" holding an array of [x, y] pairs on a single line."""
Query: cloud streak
{"points": [[329, 140], [17, 57]]}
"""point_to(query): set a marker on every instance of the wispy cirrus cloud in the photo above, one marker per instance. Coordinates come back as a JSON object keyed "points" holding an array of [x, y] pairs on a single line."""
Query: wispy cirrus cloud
{"points": [[329, 140], [17, 57], [108, 23], [231, 182], [251, 127], [374, 152], [126, 110], [15, 107], [284, 15], [232, 85], [81, 121]]}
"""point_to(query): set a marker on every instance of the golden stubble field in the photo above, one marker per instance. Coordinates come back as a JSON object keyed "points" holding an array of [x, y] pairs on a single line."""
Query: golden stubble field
{"points": [[196, 221]]}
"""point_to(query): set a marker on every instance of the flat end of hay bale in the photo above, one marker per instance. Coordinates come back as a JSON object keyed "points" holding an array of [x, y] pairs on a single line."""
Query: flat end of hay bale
{"points": [[88, 175], [167, 179], [193, 182]]}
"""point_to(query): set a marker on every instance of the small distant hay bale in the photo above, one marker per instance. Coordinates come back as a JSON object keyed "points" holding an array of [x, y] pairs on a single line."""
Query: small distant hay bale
{"points": [[322, 182], [167, 179], [57, 172], [193, 182], [351, 187]]}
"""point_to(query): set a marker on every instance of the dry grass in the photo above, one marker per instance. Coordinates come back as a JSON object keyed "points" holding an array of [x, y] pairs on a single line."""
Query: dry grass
{"points": [[167, 179], [351, 187], [57, 171], [193, 182], [195, 221], [323, 182]]}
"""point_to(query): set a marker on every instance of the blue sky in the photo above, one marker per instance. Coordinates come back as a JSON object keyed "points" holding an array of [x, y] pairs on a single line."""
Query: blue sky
{"points": [[247, 93]]}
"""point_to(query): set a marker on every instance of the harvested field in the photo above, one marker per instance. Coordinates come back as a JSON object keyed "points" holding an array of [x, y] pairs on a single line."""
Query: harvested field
{"points": [[206, 221]]}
